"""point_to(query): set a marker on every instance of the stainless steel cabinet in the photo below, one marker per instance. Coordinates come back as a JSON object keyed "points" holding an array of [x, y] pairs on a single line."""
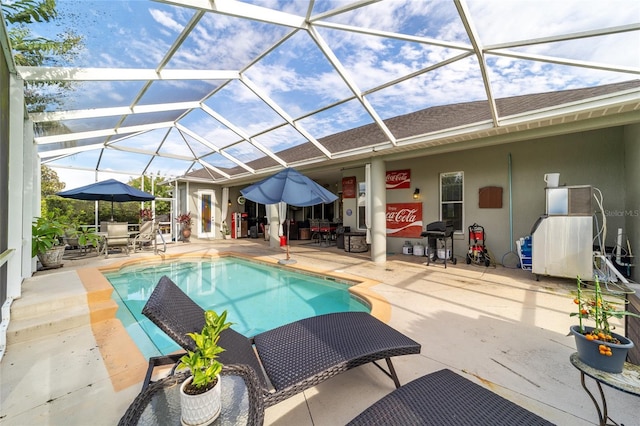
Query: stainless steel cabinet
{"points": [[563, 247]]}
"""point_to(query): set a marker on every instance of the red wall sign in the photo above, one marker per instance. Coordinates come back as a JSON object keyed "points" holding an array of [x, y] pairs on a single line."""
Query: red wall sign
{"points": [[399, 179], [404, 220], [349, 187]]}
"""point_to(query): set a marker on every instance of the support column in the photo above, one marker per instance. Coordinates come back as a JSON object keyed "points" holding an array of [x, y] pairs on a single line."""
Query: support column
{"points": [[274, 225], [378, 211], [21, 151]]}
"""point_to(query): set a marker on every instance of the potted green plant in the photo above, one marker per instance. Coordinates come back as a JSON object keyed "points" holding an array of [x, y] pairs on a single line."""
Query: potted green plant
{"points": [[184, 219], [46, 240], [80, 236], [200, 393], [49, 238], [598, 346]]}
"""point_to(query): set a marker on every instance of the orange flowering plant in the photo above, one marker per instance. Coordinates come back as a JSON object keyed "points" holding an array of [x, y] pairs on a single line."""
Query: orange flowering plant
{"points": [[598, 306]]}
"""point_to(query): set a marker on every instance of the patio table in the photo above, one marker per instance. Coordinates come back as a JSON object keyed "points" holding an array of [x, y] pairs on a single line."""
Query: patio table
{"points": [[627, 381], [159, 404]]}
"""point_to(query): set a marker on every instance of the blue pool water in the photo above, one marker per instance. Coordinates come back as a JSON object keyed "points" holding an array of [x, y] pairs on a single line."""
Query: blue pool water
{"points": [[257, 297]]}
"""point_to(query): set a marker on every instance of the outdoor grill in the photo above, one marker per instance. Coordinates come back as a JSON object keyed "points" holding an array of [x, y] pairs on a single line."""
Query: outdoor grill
{"points": [[439, 231]]}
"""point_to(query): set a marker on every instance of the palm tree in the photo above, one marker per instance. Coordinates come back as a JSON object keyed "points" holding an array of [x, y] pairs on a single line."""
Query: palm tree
{"points": [[36, 51]]}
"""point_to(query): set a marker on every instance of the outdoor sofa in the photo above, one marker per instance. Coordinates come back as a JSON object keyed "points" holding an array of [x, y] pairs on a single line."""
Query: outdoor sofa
{"points": [[295, 356]]}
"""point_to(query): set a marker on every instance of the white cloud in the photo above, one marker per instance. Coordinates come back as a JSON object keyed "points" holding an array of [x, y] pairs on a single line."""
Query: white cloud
{"points": [[165, 19], [298, 77], [76, 178]]}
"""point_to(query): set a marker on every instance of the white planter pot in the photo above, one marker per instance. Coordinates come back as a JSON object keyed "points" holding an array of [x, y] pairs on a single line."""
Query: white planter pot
{"points": [[202, 409]]}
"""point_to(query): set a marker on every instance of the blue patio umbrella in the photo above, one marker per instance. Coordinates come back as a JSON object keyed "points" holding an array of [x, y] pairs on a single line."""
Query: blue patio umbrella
{"points": [[107, 190], [289, 186]]}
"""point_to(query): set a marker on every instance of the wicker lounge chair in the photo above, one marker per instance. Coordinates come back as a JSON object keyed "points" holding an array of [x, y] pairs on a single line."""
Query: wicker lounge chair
{"points": [[295, 356], [445, 398]]}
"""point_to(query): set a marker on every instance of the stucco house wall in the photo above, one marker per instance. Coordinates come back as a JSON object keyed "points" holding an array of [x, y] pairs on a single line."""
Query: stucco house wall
{"points": [[594, 158], [193, 190], [193, 206], [350, 205], [606, 159]]}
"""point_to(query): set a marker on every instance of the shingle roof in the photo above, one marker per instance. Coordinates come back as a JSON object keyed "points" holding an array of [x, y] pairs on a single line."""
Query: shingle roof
{"points": [[427, 121]]}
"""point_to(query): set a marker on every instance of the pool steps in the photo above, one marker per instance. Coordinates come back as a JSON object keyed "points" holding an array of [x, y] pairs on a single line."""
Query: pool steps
{"points": [[37, 314]]}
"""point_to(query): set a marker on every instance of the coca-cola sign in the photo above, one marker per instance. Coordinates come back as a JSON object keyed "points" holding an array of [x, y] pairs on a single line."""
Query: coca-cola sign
{"points": [[349, 187], [404, 220], [399, 179]]}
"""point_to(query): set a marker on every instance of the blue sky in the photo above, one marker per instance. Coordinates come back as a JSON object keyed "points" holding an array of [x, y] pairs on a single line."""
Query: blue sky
{"points": [[300, 79]]}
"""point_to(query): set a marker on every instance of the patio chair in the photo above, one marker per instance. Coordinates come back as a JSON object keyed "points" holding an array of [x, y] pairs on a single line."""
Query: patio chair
{"points": [[314, 226], [117, 237], [295, 356], [146, 236], [445, 398], [325, 232]]}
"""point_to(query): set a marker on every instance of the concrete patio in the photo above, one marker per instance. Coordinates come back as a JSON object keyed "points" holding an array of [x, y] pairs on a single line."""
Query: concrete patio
{"points": [[498, 327]]}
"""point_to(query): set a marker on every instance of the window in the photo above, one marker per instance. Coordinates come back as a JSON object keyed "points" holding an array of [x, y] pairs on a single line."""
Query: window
{"points": [[362, 205], [323, 211], [451, 199]]}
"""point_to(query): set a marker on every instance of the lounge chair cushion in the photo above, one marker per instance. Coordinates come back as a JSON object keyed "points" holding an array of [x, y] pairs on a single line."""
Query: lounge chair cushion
{"points": [[445, 398]]}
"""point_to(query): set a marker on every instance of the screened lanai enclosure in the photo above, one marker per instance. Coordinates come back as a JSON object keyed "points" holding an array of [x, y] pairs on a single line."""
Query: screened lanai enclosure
{"points": [[219, 94], [234, 89]]}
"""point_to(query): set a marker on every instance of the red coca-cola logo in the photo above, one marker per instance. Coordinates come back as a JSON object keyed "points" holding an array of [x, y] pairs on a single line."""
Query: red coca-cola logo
{"points": [[404, 220], [403, 216], [398, 179]]}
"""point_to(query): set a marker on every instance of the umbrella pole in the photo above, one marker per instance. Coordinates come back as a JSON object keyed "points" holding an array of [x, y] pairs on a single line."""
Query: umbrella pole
{"points": [[288, 237], [288, 260]]}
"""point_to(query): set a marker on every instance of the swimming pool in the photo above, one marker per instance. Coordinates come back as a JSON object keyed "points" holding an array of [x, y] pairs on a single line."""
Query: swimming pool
{"points": [[258, 297]]}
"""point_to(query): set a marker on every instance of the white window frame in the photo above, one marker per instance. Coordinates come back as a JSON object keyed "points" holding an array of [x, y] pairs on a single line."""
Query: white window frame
{"points": [[461, 201]]}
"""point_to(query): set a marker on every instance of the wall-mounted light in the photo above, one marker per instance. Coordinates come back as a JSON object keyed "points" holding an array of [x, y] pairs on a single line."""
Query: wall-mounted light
{"points": [[229, 203], [416, 194]]}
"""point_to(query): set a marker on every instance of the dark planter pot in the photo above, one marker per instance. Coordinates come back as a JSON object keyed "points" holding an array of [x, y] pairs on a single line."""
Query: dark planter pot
{"points": [[589, 353], [186, 234]]}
